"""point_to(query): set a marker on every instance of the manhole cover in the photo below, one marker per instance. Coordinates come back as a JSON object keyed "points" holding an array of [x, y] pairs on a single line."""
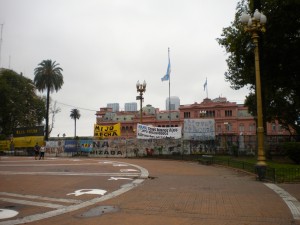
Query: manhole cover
{"points": [[98, 211]]}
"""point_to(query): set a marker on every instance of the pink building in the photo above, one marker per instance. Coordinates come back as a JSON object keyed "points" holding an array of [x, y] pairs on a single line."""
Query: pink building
{"points": [[230, 118]]}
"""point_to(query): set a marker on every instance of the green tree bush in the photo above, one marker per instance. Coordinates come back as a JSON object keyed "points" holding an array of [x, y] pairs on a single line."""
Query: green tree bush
{"points": [[20, 106], [279, 59]]}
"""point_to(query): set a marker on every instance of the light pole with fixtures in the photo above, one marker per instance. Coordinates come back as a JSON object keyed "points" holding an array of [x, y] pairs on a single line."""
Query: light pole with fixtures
{"points": [[141, 88], [255, 25]]}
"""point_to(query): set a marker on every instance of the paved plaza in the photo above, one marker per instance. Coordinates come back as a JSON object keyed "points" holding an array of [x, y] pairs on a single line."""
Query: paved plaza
{"points": [[139, 191]]}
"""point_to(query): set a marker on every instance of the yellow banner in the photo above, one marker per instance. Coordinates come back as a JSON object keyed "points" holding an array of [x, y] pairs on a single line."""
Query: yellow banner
{"points": [[4, 145], [107, 131], [25, 142]]}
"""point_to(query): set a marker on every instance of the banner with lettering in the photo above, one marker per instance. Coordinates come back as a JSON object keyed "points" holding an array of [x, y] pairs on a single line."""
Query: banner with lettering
{"points": [[107, 131], [28, 131], [149, 132], [199, 129]]}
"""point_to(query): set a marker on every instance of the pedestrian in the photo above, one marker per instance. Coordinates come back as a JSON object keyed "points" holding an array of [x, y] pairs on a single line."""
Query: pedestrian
{"points": [[36, 151], [42, 152]]}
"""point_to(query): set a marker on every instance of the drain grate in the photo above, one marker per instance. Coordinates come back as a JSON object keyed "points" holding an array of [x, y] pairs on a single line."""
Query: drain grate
{"points": [[99, 211]]}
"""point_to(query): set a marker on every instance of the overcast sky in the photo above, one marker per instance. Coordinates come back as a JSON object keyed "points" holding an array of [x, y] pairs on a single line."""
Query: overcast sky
{"points": [[105, 46]]}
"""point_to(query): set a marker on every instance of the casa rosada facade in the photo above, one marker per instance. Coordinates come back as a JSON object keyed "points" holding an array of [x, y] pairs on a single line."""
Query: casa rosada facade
{"points": [[230, 118]]}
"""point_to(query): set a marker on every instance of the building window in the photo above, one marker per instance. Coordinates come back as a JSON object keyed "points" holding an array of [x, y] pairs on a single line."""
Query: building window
{"points": [[202, 113], [186, 114], [252, 127], [241, 128], [210, 113], [228, 113], [273, 127], [229, 127]]}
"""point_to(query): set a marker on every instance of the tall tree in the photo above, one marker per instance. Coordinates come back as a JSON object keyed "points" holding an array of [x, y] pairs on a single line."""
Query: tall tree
{"points": [[20, 106], [279, 56], [48, 76], [75, 115]]}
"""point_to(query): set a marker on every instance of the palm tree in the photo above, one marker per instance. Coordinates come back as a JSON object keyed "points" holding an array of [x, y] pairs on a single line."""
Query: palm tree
{"points": [[75, 115], [48, 77]]}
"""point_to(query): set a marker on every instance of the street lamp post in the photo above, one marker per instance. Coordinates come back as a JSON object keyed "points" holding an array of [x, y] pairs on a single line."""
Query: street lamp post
{"points": [[255, 25], [141, 88]]}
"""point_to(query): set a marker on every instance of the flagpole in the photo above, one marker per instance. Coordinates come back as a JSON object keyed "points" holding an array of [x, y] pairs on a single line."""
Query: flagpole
{"points": [[169, 92], [206, 89]]}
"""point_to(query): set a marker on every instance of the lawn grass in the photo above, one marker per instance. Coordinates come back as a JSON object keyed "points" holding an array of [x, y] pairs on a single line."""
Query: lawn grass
{"points": [[279, 169], [275, 162]]}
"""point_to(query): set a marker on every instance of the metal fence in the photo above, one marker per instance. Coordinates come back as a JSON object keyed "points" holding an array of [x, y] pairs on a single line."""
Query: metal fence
{"points": [[276, 175], [246, 144]]}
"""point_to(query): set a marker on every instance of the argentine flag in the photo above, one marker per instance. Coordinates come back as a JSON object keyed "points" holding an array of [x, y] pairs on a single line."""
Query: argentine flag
{"points": [[167, 76], [205, 84]]}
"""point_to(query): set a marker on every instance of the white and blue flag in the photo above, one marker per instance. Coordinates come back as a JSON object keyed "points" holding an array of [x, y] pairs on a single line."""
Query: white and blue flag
{"points": [[167, 76], [205, 84]]}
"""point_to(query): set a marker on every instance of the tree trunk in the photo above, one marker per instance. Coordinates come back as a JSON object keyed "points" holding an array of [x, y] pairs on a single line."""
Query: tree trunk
{"points": [[75, 128], [47, 115]]}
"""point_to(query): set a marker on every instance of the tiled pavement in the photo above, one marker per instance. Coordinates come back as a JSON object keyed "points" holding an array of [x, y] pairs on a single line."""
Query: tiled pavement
{"points": [[185, 193]]}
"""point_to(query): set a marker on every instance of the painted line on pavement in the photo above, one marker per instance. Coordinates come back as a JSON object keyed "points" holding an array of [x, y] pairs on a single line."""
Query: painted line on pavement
{"points": [[143, 175], [25, 202], [291, 201], [69, 174], [74, 201], [48, 164]]}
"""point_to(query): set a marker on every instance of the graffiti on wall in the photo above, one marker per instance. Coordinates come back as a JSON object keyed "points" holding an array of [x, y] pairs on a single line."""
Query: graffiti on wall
{"points": [[55, 147], [108, 148]]}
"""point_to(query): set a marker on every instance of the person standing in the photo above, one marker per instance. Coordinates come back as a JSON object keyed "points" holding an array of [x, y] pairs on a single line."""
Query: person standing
{"points": [[42, 151], [36, 151]]}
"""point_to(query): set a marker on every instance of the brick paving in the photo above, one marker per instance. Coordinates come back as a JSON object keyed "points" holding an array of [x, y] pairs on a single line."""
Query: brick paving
{"points": [[186, 193]]}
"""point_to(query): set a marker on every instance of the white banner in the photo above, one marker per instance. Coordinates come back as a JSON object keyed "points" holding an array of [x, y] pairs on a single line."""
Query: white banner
{"points": [[149, 132], [199, 129]]}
